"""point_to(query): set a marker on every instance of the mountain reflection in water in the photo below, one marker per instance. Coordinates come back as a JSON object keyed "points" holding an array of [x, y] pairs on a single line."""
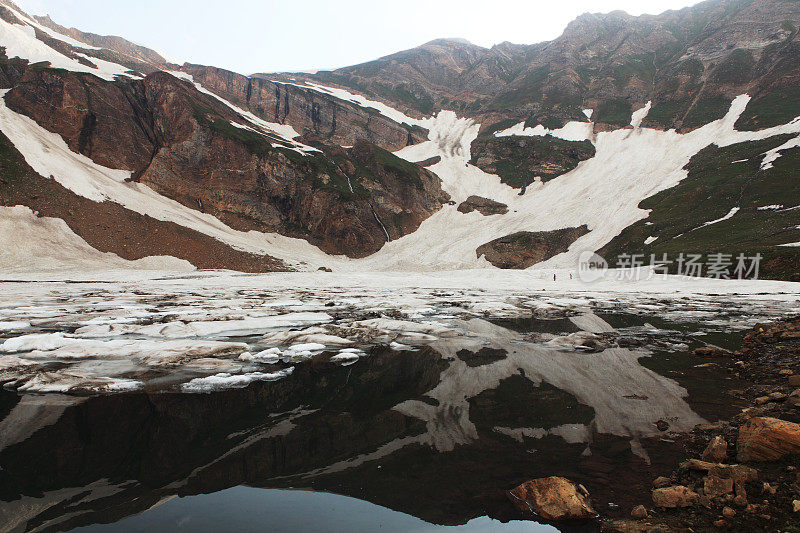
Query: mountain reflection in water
{"points": [[438, 433]]}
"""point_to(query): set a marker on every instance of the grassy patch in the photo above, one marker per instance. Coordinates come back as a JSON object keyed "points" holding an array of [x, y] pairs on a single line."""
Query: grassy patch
{"points": [[707, 109], [720, 179], [616, 112], [772, 109]]}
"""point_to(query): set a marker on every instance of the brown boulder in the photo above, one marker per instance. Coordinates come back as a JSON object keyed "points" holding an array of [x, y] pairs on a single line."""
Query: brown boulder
{"points": [[716, 451], [552, 498], [710, 351], [767, 439], [661, 482], [715, 486], [676, 496]]}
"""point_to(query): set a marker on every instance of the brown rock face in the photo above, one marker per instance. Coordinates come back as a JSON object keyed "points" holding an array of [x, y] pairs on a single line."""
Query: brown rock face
{"points": [[552, 498], [672, 497], [96, 118], [181, 143], [482, 205], [526, 248], [767, 439], [309, 111]]}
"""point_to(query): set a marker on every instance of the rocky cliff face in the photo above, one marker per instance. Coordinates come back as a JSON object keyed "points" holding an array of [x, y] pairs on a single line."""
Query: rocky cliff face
{"points": [[690, 63], [309, 111], [184, 144]]}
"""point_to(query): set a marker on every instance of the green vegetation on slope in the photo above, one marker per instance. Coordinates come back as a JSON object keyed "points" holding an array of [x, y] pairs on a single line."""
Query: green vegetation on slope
{"points": [[719, 180]]}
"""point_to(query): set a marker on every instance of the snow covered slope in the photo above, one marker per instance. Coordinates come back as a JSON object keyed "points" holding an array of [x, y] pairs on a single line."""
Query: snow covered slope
{"points": [[603, 192]]}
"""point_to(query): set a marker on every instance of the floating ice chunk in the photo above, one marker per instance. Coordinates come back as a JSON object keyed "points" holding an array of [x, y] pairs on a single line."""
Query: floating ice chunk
{"points": [[650, 240], [269, 356], [399, 347], [306, 347], [309, 335], [14, 325], [592, 323], [256, 324], [34, 341], [346, 358], [232, 381], [580, 340], [404, 326], [67, 381], [771, 207]]}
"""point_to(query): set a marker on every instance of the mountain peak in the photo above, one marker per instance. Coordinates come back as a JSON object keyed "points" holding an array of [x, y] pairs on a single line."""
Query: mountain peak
{"points": [[450, 41]]}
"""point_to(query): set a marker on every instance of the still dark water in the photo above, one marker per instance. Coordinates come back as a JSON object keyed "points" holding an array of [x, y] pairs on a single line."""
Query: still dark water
{"points": [[416, 440]]}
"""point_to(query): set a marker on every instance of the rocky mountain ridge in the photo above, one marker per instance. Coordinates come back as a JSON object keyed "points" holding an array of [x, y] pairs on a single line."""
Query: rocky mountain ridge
{"points": [[351, 160]]}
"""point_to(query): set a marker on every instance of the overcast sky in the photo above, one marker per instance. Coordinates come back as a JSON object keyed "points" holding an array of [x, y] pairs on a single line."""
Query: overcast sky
{"points": [[268, 35]]}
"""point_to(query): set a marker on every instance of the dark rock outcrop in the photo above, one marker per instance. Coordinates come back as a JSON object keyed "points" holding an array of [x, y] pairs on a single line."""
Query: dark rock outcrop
{"points": [[518, 160], [526, 248], [484, 206]]}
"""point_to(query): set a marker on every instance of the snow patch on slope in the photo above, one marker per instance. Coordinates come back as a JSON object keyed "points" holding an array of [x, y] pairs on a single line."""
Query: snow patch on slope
{"points": [[772, 155], [572, 131], [20, 41], [29, 243]]}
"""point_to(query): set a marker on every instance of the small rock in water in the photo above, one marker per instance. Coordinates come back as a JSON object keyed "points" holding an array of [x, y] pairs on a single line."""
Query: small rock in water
{"points": [[662, 425], [639, 512], [716, 451], [552, 498], [794, 380], [777, 396], [796, 506], [786, 372], [727, 512]]}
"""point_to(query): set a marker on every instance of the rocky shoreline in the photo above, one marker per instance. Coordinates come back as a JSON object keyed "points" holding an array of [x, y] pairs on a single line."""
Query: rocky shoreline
{"points": [[741, 474]]}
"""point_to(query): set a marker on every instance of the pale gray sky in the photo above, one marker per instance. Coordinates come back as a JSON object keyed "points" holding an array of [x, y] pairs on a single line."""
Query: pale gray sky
{"points": [[269, 35]]}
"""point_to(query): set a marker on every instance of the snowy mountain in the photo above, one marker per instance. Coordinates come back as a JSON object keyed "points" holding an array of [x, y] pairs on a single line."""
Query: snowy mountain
{"points": [[648, 135]]}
